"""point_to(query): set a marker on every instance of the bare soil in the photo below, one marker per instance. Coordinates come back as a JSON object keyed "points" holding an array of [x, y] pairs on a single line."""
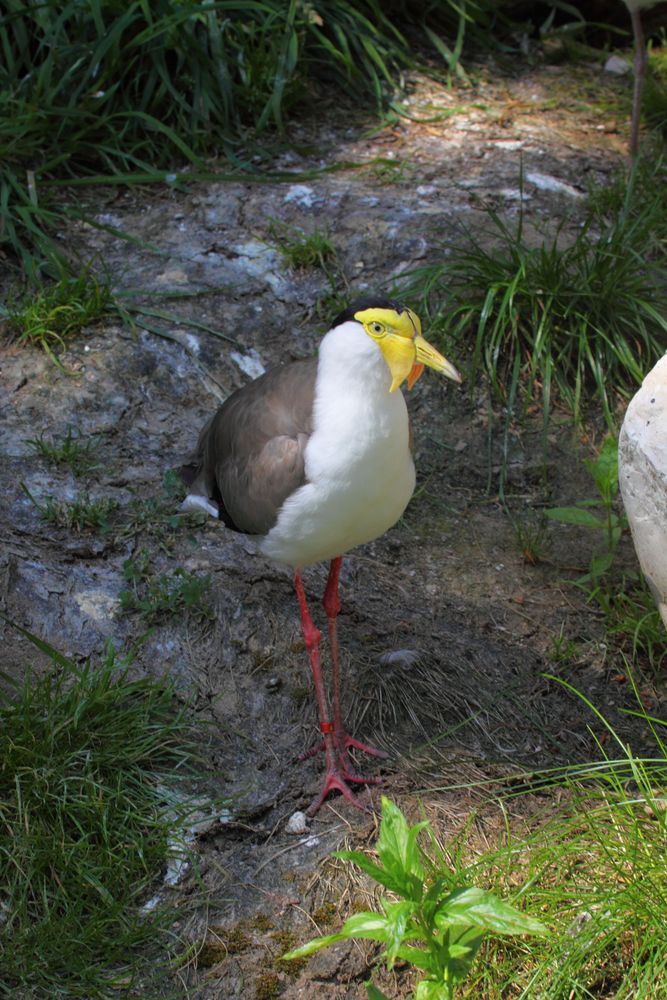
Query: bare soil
{"points": [[448, 583]]}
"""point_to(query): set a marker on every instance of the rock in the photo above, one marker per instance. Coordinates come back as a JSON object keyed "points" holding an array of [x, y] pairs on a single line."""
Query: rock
{"points": [[302, 195], [545, 182], [250, 363], [297, 823], [642, 472], [617, 66]]}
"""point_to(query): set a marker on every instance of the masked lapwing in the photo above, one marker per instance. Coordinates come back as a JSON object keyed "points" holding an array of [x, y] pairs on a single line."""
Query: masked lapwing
{"points": [[313, 458]]}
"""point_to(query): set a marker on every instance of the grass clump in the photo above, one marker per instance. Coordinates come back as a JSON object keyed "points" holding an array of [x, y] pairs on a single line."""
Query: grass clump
{"points": [[594, 869], [53, 314], [654, 103], [102, 91], [585, 321], [80, 515], [76, 451], [154, 517], [155, 596], [303, 250], [83, 828]]}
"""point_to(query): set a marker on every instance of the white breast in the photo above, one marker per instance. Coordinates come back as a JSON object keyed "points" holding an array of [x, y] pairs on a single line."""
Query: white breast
{"points": [[360, 474]]}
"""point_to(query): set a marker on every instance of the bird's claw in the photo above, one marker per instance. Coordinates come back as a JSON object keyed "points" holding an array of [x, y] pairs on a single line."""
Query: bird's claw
{"points": [[335, 781], [343, 742], [349, 741]]}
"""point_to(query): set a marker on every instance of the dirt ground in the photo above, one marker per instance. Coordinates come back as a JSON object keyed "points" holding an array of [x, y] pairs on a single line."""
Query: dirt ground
{"points": [[448, 583]]}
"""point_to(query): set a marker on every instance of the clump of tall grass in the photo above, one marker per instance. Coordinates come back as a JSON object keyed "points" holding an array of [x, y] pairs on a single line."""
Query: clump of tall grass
{"points": [[593, 868], [120, 92], [584, 319], [84, 829]]}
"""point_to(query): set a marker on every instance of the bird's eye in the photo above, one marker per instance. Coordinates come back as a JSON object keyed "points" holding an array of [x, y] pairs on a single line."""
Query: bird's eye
{"points": [[377, 328]]}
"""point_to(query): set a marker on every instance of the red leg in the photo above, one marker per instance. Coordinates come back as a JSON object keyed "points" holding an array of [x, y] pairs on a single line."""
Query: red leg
{"points": [[342, 739], [334, 778]]}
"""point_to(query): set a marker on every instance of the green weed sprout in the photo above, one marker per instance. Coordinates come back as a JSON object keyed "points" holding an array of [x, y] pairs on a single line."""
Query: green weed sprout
{"points": [[439, 929], [608, 524]]}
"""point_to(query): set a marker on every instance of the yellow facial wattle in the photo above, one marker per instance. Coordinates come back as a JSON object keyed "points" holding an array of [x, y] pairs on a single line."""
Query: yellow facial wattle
{"points": [[399, 337]]}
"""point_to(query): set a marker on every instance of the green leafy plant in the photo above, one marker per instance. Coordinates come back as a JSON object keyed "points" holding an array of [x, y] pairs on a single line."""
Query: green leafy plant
{"points": [[437, 927], [85, 828], [76, 450], [606, 522], [153, 596]]}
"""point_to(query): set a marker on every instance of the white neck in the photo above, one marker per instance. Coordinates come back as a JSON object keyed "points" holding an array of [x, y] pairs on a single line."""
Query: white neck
{"points": [[349, 357]]}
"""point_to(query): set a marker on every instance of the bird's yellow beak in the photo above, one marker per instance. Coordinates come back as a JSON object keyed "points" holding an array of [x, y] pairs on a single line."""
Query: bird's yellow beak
{"points": [[399, 337]]}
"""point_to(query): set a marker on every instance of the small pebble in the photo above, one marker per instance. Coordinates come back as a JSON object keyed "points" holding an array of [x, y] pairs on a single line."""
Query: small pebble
{"points": [[617, 66], [297, 823], [273, 683]]}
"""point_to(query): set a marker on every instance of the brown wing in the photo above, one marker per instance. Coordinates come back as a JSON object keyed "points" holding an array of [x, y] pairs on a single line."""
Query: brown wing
{"points": [[249, 457]]}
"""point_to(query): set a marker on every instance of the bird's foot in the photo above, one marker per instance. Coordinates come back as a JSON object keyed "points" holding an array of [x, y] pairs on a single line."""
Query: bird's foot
{"points": [[344, 771], [343, 742], [335, 780]]}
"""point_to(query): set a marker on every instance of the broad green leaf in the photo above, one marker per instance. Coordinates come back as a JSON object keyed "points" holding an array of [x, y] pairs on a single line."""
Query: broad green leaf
{"points": [[393, 839], [460, 951], [381, 875], [600, 564], [479, 908], [432, 898], [430, 990], [363, 925], [398, 915], [604, 469], [398, 849], [574, 515], [418, 957]]}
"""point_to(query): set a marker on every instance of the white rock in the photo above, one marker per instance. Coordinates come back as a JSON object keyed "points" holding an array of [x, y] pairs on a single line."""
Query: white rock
{"points": [[514, 194], [297, 823], [617, 66], [545, 182], [642, 472], [302, 195], [96, 604], [250, 364]]}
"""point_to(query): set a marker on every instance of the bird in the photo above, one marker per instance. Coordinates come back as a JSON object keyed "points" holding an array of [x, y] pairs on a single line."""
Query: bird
{"points": [[642, 475], [635, 6], [314, 458]]}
